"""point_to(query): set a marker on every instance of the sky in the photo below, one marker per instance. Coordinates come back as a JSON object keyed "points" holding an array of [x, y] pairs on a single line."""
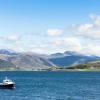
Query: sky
{"points": [[50, 26]]}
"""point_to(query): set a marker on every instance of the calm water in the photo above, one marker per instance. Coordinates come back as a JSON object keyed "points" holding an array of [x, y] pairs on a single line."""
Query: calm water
{"points": [[52, 86]]}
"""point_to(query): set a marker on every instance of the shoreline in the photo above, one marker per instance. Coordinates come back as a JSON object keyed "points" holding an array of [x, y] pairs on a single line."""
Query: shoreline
{"points": [[56, 70]]}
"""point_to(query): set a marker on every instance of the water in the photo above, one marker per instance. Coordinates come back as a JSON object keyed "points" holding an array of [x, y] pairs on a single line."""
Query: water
{"points": [[52, 86]]}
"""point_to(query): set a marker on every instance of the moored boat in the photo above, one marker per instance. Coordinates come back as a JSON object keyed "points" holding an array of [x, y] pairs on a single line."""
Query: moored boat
{"points": [[7, 84]]}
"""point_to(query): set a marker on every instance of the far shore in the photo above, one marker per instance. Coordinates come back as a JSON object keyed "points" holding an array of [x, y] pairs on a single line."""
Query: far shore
{"points": [[55, 70]]}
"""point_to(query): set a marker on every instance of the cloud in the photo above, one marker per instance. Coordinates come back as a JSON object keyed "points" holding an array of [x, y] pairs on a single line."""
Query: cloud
{"points": [[88, 47], [11, 38], [69, 43], [91, 48], [83, 38], [55, 32], [89, 30], [11, 41], [85, 28], [96, 20]]}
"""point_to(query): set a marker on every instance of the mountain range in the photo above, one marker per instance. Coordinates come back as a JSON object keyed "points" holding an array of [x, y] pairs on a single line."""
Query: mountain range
{"points": [[70, 58], [11, 60]]}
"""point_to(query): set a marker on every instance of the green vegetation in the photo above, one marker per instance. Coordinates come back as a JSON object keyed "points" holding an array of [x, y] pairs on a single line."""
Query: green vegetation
{"points": [[92, 66]]}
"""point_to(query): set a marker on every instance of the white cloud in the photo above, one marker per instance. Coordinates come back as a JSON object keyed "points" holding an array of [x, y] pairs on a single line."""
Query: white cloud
{"points": [[10, 38], [69, 43], [78, 44], [90, 30], [55, 32], [11, 41], [86, 39], [91, 48], [85, 27], [96, 20]]}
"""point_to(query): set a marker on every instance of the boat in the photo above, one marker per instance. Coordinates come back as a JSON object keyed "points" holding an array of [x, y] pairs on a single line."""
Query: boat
{"points": [[7, 84]]}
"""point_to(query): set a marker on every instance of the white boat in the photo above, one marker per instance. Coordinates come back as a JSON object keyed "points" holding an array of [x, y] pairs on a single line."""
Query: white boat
{"points": [[7, 83]]}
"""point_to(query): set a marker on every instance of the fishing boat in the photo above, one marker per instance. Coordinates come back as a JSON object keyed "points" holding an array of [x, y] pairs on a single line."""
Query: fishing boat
{"points": [[7, 84]]}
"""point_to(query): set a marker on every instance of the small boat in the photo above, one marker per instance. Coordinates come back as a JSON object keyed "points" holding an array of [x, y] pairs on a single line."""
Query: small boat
{"points": [[7, 84]]}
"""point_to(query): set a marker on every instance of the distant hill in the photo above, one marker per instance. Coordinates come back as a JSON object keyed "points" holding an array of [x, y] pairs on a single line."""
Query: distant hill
{"points": [[30, 62], [71, 58], [8, 52], [11, 60], [6, 65], [90, 65], [25, 61]]}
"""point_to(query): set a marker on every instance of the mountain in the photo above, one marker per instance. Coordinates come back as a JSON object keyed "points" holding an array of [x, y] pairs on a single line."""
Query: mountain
{"points": [[70, 58], [6, 65], [90, 65], [26, 61], [56, 55], [7, 51], [30, 62], [11, 60]]}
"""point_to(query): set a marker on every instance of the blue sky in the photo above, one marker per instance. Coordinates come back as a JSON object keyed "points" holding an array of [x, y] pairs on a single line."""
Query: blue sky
{"points": [[49, 26]]}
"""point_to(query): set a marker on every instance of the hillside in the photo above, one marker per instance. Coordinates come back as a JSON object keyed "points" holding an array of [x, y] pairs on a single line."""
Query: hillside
{"points": [[91, 65], [6, 65], [11, 60], [24, 61], [69, 58]]}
